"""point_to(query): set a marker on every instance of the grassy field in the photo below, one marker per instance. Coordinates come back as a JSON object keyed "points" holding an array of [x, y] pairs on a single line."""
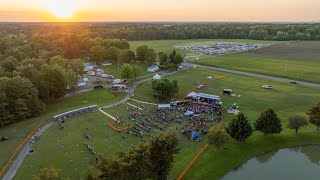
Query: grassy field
{"points": [[66, 150], [18, 132], [300, 59], [293, 69], [167, 46], [299, 50]]}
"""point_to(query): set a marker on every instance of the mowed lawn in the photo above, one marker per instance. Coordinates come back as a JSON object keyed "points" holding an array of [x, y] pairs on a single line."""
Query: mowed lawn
{"points": [[66, 150], [293, 69], [296, 50], [17, 132]]}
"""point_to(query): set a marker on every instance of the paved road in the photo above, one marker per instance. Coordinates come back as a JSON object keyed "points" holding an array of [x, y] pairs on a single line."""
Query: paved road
{"points": [[24, 152], [313, 85]]}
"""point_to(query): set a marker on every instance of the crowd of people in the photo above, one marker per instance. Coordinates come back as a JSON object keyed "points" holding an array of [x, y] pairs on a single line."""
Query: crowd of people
{"points": [[155, 120]]}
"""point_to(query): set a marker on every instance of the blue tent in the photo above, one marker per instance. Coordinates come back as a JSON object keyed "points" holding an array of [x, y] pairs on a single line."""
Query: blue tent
{"points": [[194, 134]]}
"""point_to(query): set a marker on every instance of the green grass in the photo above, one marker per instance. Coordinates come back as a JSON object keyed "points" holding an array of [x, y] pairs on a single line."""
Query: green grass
{"points": [[18, 132], [269, 61], [298, 70], [72, 157], [297, 50]]}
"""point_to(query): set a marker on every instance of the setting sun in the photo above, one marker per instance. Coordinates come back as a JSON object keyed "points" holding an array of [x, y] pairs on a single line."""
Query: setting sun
{"points": [[61, 8]]}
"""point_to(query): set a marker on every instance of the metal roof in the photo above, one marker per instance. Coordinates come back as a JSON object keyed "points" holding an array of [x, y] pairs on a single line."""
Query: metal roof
{"points": [[203, 95]]}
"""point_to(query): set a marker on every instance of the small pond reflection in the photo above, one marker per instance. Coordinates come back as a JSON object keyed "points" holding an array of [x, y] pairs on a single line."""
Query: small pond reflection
{"points": [[291, 163]]}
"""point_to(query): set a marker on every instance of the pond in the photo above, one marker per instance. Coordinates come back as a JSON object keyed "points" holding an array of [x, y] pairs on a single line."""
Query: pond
{"points": [[291, 163]]}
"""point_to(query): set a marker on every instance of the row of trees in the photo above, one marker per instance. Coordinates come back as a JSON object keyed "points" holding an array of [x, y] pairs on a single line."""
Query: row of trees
{"points": [[74, 36], [268, 123], [26, 86], [152, 160]]}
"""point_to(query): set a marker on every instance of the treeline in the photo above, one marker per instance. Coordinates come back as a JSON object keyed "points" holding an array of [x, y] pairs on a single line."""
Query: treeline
{"points": [[37, 69], [27, 86], [157, 31]]}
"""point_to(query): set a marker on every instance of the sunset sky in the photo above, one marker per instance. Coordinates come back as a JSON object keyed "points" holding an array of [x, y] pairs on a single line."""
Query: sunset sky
{"points": [[160, 10]]}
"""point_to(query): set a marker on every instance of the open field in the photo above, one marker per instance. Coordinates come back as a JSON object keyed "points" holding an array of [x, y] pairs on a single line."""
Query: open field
{"points": [[295, 60], [298, 50], [167, 46], [71, 156], [292, 69], [18, 132]]}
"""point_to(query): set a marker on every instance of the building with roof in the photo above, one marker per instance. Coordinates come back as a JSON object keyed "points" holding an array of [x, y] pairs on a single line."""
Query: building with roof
{"points": [[202, 97]]}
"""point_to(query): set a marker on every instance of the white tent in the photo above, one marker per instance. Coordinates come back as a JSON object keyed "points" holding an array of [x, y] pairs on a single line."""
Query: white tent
{"points": [[156, 77]]}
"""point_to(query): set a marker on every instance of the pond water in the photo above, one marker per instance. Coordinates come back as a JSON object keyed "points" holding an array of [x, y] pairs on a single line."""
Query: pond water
{"points": [[291, 163]]}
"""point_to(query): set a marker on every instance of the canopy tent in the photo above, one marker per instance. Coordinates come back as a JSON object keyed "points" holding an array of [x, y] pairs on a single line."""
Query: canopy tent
{"points": [[194, 134], [164, 106], [189, 113]]}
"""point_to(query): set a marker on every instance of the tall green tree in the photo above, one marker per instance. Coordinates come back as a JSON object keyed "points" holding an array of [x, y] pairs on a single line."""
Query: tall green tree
{"points": [[239, 128], [163, 57], [314, 115], [98, 54], [162, 149], [127, 71], [296, 122], [165, 89], [268, 123], [56, 80], [112, 54], [217, 137], [126, 56], [151, 55], [142, 53], [5, 116]]}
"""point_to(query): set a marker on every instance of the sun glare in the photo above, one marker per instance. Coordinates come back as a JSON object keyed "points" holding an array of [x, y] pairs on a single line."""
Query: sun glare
{"points": [[62, 9]]}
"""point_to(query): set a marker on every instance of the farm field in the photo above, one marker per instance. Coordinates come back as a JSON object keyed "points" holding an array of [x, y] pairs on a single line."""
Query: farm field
{"points": [[18, 132], [71, 156], [292, 69], [299, 50]]}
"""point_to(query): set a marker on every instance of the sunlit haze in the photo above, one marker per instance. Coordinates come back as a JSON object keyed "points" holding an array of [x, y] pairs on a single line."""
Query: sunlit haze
{"points": [[164, 10]]}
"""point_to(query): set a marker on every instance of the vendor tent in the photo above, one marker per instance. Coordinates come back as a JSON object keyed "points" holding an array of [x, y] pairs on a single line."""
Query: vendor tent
{"points": [[194, 134], [163, 106], [189, 113]]}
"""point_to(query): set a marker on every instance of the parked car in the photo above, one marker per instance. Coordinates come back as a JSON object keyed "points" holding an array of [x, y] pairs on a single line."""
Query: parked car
{"points": [[201, 86], [98, 87], [267, 87], [2, 138], [293, 82], [117, 81]]}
